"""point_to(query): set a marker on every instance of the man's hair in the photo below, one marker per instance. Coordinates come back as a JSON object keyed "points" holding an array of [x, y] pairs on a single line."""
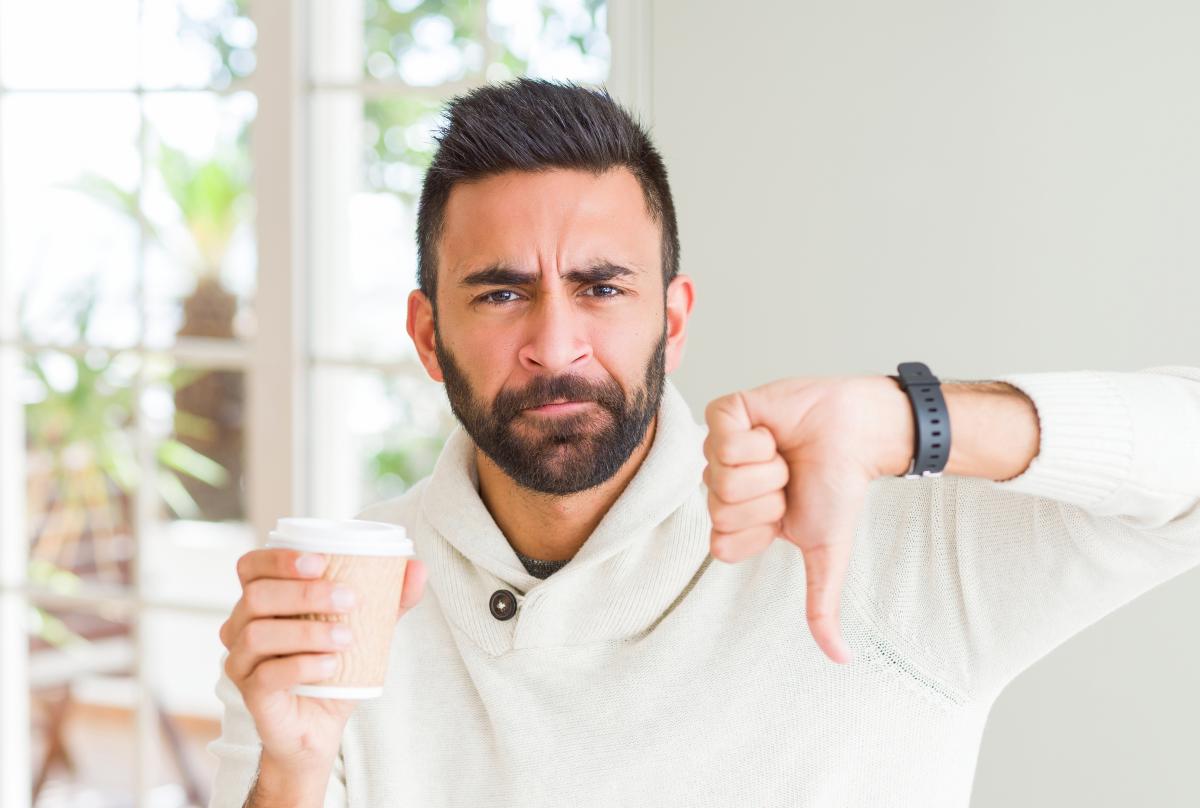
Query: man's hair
{"points": [[535, 125]]}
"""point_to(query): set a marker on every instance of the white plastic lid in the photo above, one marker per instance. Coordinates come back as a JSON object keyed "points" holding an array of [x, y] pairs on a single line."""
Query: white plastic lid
{"points": [[341, 537]]}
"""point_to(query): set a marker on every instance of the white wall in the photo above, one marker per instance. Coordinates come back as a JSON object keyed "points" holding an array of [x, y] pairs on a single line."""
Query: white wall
{"points": [[985, 187]]}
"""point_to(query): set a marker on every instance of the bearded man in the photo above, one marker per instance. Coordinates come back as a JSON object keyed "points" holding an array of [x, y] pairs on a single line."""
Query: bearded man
{"points": [[578, 645]]}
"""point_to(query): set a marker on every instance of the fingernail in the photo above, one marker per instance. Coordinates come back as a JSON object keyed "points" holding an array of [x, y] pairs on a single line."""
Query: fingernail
{"points": [[341, 635], [328, 665], [309, 564], [343, 598]]}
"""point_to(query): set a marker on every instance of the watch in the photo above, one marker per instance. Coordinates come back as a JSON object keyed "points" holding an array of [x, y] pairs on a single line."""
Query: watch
{"points": [[931, 432]]}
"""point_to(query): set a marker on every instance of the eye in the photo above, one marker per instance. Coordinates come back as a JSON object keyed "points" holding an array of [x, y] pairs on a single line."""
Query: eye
{"points": [[496, 299], [604, 290]]}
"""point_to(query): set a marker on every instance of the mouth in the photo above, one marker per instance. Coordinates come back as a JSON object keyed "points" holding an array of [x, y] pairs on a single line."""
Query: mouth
{"points": [[560, 406]]}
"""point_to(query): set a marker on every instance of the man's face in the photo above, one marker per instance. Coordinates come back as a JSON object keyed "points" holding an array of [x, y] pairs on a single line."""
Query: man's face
{"points": [[551, 333]]}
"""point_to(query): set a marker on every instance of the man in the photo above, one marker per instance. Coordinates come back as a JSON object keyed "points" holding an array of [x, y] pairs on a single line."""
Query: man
{"points": [[578, 646]]}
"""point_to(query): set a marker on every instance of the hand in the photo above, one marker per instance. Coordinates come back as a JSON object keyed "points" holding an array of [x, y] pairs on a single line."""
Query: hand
{"points": [[270, 653], [793, 459]]}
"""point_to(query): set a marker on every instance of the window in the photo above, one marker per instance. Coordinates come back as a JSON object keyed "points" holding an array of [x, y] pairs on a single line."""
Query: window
{"points": [[206, 243]]}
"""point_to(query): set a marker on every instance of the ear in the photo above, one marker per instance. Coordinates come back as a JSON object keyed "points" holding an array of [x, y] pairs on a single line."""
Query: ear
{"points": [[681, 296], [420, 329]]}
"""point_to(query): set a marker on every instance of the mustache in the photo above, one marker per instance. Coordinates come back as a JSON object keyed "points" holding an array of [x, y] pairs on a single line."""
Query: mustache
{"points": [[546, 389]]}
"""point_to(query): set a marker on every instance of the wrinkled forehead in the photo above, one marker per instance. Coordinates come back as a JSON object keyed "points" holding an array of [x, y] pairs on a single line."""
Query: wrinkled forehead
{"points": [[560, 217]]}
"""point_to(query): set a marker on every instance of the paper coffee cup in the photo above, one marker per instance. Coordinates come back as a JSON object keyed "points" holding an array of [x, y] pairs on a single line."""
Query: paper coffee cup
{"points": [[370, 558]]}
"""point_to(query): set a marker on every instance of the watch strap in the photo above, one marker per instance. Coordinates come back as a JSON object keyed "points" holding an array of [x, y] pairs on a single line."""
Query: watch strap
{"points": [[931, 439]]}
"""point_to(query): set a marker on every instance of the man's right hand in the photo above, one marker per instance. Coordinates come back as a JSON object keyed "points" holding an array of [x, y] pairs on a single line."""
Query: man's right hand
{"points": [[270, 651]]}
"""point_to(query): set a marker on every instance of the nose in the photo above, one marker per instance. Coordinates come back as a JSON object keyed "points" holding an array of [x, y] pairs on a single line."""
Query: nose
{"points": [[557, 339]]}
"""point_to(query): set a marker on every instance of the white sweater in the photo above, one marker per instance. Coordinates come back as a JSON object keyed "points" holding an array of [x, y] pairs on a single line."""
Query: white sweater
{"points": [[646, 673]]}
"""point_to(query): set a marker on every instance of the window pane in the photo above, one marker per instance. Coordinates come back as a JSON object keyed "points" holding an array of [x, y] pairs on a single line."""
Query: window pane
{"points": [[196, 43], [368, 160], [201, 257], [421, 43], [71, 43], [181, 664], [185, 562], [373, 436], [554, 39], [82, 468], [70, 167], [195, 419], [82, 700]]}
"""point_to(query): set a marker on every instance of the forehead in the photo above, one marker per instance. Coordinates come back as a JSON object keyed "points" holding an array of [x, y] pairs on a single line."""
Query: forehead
{"points": [[558, 214]]}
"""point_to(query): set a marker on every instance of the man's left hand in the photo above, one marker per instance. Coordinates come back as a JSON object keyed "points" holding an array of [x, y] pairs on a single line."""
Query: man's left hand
{"points": [[793, 459]]}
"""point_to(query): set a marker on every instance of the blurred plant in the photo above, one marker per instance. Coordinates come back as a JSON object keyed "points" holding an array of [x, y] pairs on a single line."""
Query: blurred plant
{"points": [[210, 196], [415, 40], [405, 460], [397, 30], [51, 629], [82, 460], [82, 468], [407, 450], [42, 623], [231, 35], [399, 144], [208, 193]]}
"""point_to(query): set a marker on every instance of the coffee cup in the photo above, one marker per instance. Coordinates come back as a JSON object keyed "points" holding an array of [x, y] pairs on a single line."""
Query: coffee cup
{"points": [[369, 558]]}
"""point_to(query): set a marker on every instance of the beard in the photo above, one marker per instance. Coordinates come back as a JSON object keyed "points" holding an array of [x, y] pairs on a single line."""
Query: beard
{"points": [[563, 454]]}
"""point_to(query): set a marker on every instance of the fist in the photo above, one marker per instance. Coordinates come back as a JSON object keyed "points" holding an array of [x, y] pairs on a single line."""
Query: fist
{"points": [[792, 460]]}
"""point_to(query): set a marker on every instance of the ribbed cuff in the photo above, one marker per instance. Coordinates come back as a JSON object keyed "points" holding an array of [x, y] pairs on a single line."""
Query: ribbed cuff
{"points": [[1087, 437]]}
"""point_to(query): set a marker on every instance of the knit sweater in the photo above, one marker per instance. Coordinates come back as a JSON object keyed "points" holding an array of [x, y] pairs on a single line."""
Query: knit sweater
{"points": [[646, 673]]}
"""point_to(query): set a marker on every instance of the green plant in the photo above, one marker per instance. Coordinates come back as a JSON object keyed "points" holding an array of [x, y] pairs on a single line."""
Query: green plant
{"points": [[79, 433], [405, 460]]}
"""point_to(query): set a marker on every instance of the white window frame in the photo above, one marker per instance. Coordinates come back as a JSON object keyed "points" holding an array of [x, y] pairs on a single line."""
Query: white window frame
{"points": [[276, 361]]}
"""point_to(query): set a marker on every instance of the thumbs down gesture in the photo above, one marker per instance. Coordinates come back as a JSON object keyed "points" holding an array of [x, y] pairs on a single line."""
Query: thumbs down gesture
{"points": [[792, 459]]}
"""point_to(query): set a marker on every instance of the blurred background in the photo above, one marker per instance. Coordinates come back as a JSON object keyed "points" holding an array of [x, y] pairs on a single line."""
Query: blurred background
{"points": [[206, 241], [206, 217]]}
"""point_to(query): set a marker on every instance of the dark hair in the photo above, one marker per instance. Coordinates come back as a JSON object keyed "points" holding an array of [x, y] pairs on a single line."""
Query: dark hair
{"points": [[533, 125]]}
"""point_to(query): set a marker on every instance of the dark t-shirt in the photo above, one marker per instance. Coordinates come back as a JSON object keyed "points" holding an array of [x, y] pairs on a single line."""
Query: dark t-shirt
{"points": [[538, 568]]}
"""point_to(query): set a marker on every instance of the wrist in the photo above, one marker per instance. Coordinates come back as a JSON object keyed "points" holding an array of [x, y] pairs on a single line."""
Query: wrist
{"points": [[282, 784], [899, 440], [996, 430]]}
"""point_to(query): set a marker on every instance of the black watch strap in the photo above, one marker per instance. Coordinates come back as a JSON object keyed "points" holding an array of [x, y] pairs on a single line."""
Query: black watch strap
{"points": [[931, 444]]}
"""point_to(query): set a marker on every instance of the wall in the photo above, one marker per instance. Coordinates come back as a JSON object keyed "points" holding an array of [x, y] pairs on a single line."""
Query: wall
{"points": [[985, 187]]}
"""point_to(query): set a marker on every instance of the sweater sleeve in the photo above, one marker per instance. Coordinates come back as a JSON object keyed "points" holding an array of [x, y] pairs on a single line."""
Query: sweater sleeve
{"points": [[237, 751], [974, 580]]}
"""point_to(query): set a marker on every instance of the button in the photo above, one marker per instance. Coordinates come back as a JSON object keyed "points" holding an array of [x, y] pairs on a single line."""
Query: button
{"points": [[503, 604]]}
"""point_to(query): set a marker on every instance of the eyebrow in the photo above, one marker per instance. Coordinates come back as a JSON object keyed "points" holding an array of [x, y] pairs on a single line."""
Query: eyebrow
{"points": [[502, 275]]}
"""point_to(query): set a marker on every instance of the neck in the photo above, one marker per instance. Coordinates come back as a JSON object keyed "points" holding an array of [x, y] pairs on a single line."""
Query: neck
{"points": [[548, 527]]}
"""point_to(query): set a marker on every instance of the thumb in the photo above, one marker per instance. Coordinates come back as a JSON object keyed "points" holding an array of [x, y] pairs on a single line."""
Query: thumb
{"points": [[821, 519], [415, 573]]}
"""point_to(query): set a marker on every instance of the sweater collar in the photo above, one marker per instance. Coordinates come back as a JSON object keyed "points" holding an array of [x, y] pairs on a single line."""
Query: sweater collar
{"points": [[670, 472]]}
